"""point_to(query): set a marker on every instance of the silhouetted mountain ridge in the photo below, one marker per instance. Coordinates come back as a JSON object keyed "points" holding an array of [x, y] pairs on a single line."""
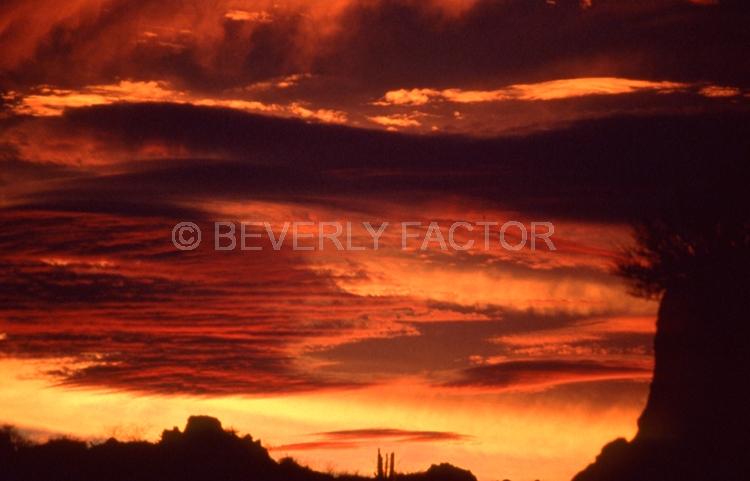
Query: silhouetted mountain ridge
{"points": [[203, 451]]}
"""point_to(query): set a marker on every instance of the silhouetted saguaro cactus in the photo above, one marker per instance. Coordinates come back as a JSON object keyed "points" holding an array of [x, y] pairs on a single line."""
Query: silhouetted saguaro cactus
{"points": [[386, 467]]}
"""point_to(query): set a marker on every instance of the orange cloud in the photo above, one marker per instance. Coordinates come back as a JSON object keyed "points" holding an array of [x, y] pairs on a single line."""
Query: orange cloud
{"points": [[245, 16], [442, 280], [396, 120], [48, 101], [408, 97], [720, 91], [324, 115], [549, 90]]}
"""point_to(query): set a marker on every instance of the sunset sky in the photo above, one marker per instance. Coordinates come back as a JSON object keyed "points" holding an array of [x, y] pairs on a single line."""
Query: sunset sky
{"points": [[120, 119]]}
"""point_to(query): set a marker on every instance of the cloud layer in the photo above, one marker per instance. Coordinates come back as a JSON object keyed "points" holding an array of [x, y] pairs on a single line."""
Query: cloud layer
{"points": [[119, 119]]}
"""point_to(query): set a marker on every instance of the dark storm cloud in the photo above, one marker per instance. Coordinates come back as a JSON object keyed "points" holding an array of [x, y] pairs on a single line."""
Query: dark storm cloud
{"points": [[610, 169], [391, 43]]}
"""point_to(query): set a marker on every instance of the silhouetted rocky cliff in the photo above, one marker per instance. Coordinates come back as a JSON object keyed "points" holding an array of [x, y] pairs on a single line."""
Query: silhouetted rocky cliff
{"points": [[204, 451], [696, 423]]}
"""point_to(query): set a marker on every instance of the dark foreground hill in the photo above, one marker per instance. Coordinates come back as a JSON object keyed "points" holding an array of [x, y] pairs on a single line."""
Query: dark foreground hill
{"points": [[204, 451]]}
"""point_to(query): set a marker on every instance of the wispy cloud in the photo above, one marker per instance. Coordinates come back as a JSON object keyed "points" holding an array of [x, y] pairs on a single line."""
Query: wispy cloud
{"points": [[354, 438], [49, 101], [720, 91], [397, 120], [548, 90], [536, 374]]}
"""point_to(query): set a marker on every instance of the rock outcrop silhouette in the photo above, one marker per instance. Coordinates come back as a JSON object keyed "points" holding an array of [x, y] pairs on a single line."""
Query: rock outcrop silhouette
{"points": [[696, 422], [203, 451]]}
